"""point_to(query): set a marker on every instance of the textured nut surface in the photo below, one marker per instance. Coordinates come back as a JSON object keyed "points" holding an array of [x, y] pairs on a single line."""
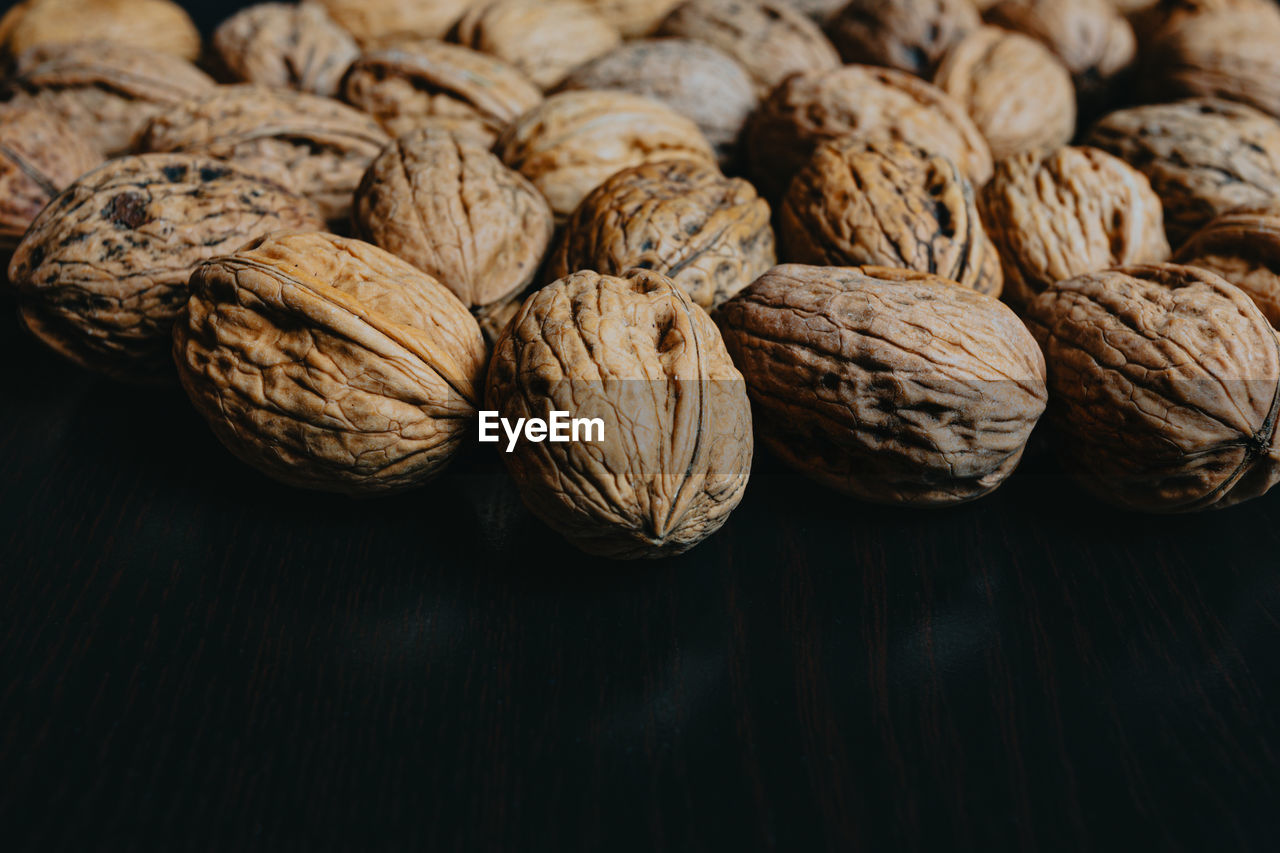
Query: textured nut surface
{"points": [[910, 35], [455, 212], [1242, 246], [544, 39], [1015, 90], [709, 234], [699, 81], [279, 44], [330, 364], [103, 271], [569, 144], [809, 109], [894, 386], [312, 145], [39, 157], [1202, 156], [106, 93], [157, 25], [376, 23], [677, 444], [819, 11], [1075, 211], [887, 204], [1164, 383], [433, 84], [771, 40], [633, 17]]}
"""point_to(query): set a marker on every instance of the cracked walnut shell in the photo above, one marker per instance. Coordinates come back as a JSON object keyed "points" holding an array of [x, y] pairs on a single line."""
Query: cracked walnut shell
{"points": [[150, 25], [634, 352], [1242, 246], [910, 35], [287, 46]]}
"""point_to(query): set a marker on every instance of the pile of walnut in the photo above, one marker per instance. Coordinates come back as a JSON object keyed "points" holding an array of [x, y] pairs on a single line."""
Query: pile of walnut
{"points": [[882, 237]]}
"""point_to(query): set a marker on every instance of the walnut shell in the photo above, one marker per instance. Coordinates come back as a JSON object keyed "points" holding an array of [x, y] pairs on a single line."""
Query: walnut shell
{"points": [[696, 80], [682, 218], [312, 145], [544, 39], [1150, 22], [818, 11], [430, 83], [455, 212], [1242, 246], [1017, 92], [151, 25], [39, 157], [677, 444], [106, 93], [809, 109], [887, 204], [890, 385], [910, 35], [379, 23], [633, 18], [1075, 211], [330, 364], [1203, 157], [771, 40], [291, 47], [1164, 385], [574, 140], [102, 273]]}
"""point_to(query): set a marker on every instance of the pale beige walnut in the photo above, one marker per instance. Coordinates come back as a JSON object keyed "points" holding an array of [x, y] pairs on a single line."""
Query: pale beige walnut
{"points": [[433, 84], [1202, 156], [695, 79], [887, 204], [569, 144], [312, 145], [285, 45], [379, 23], [893, 386], [103, 270], [455, 212], [1164, 383], [1075, 211], [151, 25], [106, 93], [544, 39], [1015, 90], [771, 40], [857, 100], [633, 17], [1242, 246], [910, 35], [330, 364], [39, 156], [682, 218], [636, 353]]}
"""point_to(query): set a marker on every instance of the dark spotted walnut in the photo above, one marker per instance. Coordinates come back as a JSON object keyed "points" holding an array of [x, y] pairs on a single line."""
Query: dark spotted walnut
{"points": [[1074, 211], [102, 273], [892, 386], [887, 204], [682, 218], [1242, 246], [280, 44], [379, 23], [1164, 384], [330, 364], [910, 35], [675, 452], [148, 25]]}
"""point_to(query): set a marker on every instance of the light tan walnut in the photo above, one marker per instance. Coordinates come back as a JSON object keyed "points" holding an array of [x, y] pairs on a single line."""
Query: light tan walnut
{"points": [[1242, 246], [380, 23], [151, 25], [280, 44]]}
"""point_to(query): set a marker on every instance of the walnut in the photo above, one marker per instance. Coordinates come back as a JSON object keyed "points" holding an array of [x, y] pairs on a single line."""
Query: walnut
{"points": [[696, 80], [910, 35], [1153, 17], [818, 11], [887, 204], [633, 17], [279, 44], [890, 385], [433, 84], [102, 273], [312, 145], [380, 23], [1017, 92], [544, 39], [574, 140], [1075, 211], [681, 218], [809, 109], [39, 156], [634, 352], [330, 364], [1203, 157], [106, 93], [1164, 383], [150, 25], [1242, 246], [770, 39]]}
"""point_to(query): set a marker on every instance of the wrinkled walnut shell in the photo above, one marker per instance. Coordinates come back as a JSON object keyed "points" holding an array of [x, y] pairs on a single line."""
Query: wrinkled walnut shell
{"points": [[290, 47], [910, 35], [380, 23], [150, 25], [1242, 246]]}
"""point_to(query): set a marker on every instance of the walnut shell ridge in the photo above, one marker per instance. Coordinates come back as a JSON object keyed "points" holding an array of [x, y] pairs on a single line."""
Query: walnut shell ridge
{"points": [[909, 35], [152, 25], [291, 47], [1242, 246]]}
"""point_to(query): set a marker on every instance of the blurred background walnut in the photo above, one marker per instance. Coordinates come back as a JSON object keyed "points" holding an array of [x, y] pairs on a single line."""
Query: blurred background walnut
{"points": [[154, 25], [280, 44], [910, 35], [1242, 246], [379, 23], [818, 11], [633, 18]]}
